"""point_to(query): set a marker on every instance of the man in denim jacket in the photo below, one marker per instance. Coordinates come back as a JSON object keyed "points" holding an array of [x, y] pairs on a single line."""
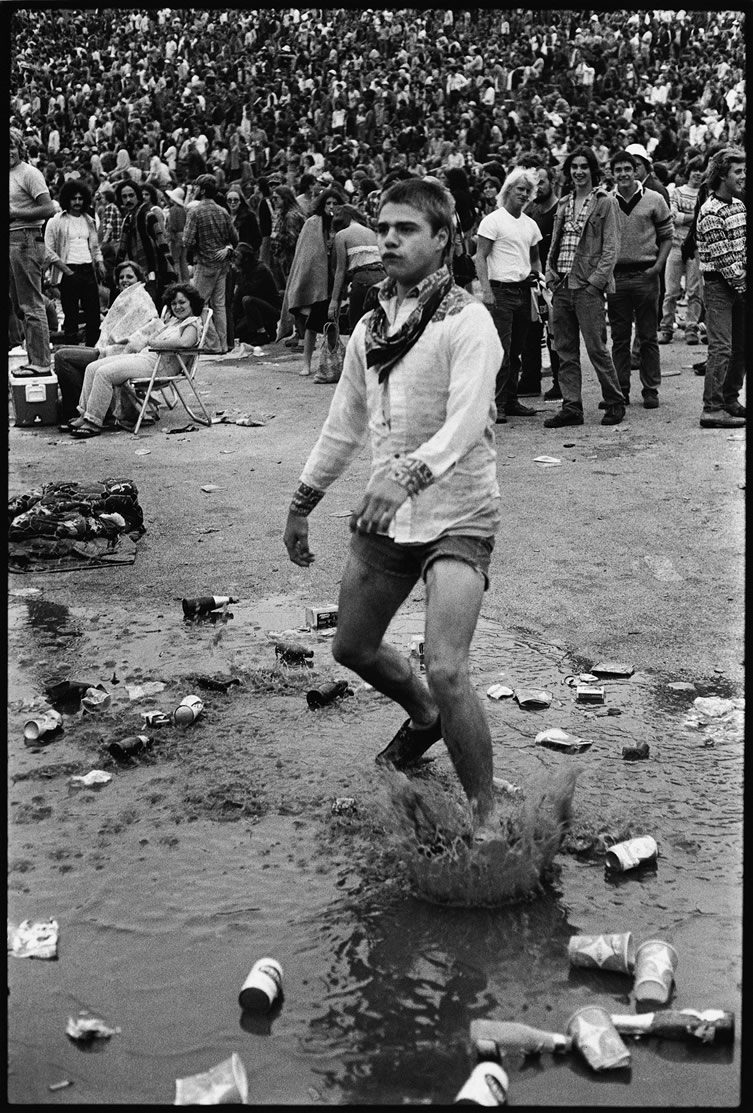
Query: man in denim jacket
{"points": [[580, 267]]}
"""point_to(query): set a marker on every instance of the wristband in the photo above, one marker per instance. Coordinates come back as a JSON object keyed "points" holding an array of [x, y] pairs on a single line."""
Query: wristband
{"points": [[413, 475], [305, 499]]}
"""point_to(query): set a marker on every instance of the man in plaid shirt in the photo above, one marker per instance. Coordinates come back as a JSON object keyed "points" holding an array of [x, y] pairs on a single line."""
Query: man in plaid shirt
{"points": [[721, 249], [211, 235]]}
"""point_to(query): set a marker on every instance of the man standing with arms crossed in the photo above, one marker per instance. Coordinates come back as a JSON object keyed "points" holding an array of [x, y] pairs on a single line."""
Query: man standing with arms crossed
{"points": [[212, 236], [30, 205], [418, 381], [507, 255]]}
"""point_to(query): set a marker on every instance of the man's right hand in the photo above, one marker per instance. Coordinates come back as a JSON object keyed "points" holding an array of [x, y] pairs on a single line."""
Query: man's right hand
{"points": [[296, 538]]}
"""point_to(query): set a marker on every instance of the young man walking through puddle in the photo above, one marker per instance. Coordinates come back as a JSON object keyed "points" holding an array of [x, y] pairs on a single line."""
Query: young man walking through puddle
{"points": [[419, 381]]}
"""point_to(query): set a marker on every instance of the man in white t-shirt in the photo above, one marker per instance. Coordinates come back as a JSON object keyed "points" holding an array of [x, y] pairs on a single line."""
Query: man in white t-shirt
{"points": [[507, 255], [30, 205]]}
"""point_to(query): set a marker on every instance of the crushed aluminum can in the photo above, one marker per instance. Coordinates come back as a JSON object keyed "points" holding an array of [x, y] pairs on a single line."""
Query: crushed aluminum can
{"points": [[94, 699], [532, 698], [556, 739], [38, 729], [628, 855], [613, 669], [499, 691], [344, 805], [86, 1027], [589, 693], [321, 617], [30, 940], [156, 719]]}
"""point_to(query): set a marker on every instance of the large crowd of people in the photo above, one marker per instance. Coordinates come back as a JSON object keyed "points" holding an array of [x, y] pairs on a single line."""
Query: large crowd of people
{"points": [[179, 133]]}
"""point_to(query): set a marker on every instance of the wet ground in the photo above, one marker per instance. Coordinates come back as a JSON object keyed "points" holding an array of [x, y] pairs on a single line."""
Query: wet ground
{"points": [[218, 846]]}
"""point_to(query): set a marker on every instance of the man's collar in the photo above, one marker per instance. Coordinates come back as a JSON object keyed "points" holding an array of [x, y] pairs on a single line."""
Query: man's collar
{"points": [[639, 189]]}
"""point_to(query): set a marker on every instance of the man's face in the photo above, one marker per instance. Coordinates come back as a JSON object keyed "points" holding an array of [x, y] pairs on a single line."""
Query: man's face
{"points": [[543, 186], [735, 179], [580, 172], [76, 204], [517, 197], [128, 199], [410, 250], [15, 158], [624, 176], [695, 177], [641, 170]]}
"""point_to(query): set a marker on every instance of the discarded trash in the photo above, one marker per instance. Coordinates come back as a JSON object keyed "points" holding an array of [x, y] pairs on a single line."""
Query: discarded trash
{"points": [[149, 688], [344, 805], [589, 693], [556, 739], [263, 986], [635, 753], [209, 487], [500, 691], [127, 748], [203, 604], [531, 698], [487, 1084], [143, 452], [548, 461], [492, 1038], [713, 707], [95, 698], [417, 649], [60, 1085], [183, 429], [28, 940], [709, 1026], [321, 617], [627, 855], [597, 1039], [51, 722], [225, 1084], [603, 952], [67, 691], [217, 683], [91, 780], [156, 719], [613, 668], [291, 653], [326, 693], [507, 786], [682, 686], [86, 1027], [246, 420], [655, 965], [188, 711]]}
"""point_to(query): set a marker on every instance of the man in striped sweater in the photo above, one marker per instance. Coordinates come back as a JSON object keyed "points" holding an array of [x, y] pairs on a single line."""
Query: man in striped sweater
{"points": [[646, 238], [721, 248]]}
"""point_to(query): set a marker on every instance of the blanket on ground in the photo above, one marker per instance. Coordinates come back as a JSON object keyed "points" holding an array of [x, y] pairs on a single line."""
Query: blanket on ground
{"points": [[62, 526]]}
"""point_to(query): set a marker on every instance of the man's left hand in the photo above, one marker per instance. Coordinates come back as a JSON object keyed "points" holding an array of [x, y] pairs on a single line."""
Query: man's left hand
{"points": [[380, 503]]}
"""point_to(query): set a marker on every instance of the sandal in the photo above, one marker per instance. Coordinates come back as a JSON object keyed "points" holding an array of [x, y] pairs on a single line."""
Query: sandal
{"points": [[27, 371], [84, 432]]}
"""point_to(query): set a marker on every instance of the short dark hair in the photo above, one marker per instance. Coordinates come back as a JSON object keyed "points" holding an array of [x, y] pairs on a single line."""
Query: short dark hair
{"points": [[68, 191], [583, 152], [189, 290], [134, 267], [430, 198], [622, 156]]}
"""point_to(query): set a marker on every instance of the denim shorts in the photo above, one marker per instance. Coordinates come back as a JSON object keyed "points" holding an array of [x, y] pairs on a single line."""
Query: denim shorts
{"points": [[408, 562]]}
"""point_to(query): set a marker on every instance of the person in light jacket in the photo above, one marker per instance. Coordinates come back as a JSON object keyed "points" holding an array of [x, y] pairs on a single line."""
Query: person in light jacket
{"points": [[76, 263]]}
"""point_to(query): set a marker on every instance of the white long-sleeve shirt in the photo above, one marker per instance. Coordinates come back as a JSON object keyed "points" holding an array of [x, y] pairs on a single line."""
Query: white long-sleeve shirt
{"points": [[435, 413]]}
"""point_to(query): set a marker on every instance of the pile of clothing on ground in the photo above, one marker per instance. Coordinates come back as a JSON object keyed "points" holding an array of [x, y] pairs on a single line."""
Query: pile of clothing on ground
{"points": [[62, 526]]}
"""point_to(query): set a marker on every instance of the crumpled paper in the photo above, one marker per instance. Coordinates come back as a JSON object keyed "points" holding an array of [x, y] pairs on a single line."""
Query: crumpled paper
{"points": [[85, 1027], [28, 940], [225, 1084], [149, 688], [90, 780]]}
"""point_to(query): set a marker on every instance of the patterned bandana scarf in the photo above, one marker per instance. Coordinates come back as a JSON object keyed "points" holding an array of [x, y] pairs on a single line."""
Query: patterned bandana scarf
{"points": [[383, 351]]}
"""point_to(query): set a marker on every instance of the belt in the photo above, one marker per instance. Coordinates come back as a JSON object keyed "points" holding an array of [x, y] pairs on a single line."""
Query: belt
{"points": [[496, 282], [36, 230]]}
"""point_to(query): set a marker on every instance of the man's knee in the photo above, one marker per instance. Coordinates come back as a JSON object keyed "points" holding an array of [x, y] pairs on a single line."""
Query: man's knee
{"points": [[352, 654], [446, 676]]}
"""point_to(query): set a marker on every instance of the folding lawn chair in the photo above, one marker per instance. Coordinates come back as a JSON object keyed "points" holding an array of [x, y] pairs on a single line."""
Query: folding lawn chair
{"points": [[169, 382]]}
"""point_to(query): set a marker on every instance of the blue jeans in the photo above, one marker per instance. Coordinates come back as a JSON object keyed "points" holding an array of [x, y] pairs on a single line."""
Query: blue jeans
{"points": [[210, 282], [725, 328], [577, 313], [635, 295], [511, 314], [673, 272], [26, 259]]}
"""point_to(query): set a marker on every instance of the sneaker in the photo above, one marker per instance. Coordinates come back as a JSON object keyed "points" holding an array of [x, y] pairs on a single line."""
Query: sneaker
{"points": [[563, 418], [736, 409], [409, 745], [720, 419], [650, 402], [664, 338], [516, 410], [553, 394], [700, 368], [613, 416]]}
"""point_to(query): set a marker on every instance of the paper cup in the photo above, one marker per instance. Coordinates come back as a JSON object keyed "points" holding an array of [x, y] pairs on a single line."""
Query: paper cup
{"points": [[486, 1085], [263, 986], [655, 965], [225, 1084], [634, 852], [597, 1039], [603, 952]]}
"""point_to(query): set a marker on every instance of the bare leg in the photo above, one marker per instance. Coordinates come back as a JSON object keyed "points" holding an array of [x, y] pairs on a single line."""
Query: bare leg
{"points": [[454, 592], [309, 343], [368, 601]]}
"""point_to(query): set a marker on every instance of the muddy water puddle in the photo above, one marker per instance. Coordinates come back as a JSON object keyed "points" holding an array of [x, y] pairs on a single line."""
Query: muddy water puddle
{"points": [[219, 846]]}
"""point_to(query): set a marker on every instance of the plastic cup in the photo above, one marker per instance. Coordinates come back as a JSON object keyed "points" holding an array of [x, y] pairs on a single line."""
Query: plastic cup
{"points": [[603, 952], [634, 852], [655, 965], [486, 1085], [225, 1084], [597, 1039], [263, 986]]}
